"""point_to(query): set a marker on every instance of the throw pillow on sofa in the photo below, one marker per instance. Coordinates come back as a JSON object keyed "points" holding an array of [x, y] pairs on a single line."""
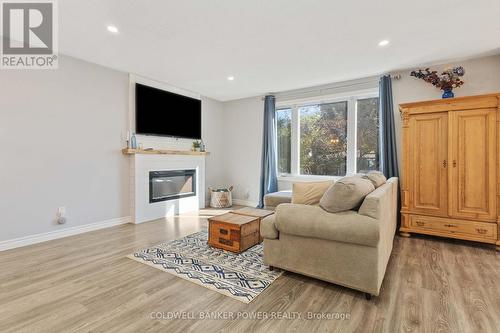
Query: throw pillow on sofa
{"points": [[346, 194], [376, 177], [309, 193]]}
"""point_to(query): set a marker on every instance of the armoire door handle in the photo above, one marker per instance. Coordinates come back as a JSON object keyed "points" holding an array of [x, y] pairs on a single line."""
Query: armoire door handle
{"points": [[454, 163], [445, 163]]}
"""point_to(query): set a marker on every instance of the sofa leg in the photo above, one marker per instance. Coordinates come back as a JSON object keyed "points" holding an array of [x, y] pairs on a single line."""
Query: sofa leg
{"points": [[368, 296]]}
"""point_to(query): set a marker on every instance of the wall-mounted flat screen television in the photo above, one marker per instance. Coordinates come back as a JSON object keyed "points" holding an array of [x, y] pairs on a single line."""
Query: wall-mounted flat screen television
{"points": [[163, 113]]}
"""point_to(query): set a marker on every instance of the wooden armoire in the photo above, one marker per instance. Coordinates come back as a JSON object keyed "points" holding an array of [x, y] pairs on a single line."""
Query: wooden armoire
{"points": [[451, 168]]}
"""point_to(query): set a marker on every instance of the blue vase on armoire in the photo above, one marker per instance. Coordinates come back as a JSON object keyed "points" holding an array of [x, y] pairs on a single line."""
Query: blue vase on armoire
{"points": [[448, 93]]}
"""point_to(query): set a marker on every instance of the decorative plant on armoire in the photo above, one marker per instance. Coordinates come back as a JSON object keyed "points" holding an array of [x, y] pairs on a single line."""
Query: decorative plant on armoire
{"points": [[445, 81]]}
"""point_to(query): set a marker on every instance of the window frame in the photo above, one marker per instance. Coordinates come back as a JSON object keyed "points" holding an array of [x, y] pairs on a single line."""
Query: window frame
{"points": [[351, 97]]}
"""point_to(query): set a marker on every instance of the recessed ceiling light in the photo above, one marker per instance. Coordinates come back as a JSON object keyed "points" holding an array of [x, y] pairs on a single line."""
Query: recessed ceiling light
{"points": [[384, 42], [112, 29], [230, 78]]}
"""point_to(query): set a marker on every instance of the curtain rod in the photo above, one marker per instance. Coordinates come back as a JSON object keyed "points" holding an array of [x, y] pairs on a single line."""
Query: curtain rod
{"points": [[320, 90]]}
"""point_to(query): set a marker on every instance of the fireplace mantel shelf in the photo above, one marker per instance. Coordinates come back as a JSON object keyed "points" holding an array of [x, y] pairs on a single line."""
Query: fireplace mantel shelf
{"points": [[130, 151]]}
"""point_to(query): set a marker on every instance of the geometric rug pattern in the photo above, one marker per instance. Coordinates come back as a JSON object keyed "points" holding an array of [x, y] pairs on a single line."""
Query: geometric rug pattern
{"points": [[240, 276]]}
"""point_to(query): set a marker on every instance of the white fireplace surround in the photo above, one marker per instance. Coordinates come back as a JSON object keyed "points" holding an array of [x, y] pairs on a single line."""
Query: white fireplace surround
{"points": [[142, 210]]}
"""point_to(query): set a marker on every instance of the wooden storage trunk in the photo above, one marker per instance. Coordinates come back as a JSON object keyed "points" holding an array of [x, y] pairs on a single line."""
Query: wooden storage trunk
{"points": [[233, 232]]}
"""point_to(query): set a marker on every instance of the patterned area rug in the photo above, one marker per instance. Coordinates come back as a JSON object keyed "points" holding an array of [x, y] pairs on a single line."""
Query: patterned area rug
{"points": [[240, 276]]}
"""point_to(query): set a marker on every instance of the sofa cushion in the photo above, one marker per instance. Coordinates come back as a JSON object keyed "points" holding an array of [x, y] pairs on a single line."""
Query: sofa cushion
{"points": [[276, 198], [347, 193], [267, 227], [309, 193], [376, 177], [312, 221]]}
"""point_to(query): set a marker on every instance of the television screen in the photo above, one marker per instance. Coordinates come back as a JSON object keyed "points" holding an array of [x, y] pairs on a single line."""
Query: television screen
{"points": [[160, 112]]}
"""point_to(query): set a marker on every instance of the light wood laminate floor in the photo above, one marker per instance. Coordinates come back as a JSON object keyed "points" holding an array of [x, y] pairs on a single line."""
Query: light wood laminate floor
{"points": [[84, 283]]}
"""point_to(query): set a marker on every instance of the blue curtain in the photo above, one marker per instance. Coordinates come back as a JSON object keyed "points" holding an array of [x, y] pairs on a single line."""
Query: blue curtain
{"points": [[269, 170], [388, 151]]}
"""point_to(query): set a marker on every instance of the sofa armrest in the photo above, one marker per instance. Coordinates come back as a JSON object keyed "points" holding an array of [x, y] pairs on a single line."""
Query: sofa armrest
{"points": [[268, 228], [382, 205]]}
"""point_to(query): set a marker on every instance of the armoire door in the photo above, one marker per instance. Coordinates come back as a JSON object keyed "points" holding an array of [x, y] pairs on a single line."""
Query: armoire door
{"points": [[473, 164], [428, 154]]}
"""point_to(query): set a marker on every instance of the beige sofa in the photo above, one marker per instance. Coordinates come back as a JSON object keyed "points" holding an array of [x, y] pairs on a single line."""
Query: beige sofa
{"points": [[350, 248]]}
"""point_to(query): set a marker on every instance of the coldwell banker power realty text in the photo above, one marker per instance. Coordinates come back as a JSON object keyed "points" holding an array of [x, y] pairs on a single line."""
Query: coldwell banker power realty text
{"points": [[29, 34]]}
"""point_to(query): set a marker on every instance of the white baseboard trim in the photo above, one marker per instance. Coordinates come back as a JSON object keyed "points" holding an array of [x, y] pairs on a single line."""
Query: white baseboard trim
{"points": [[47, 236], [245, 202]]}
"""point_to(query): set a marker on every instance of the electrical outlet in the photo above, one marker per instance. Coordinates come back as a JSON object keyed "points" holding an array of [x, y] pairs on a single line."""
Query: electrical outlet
{"points": [[61, 211], [61, 215]]}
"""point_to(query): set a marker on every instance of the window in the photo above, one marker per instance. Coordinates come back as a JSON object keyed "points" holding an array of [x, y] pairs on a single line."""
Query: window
{"points": [[323, 139], [284, 137], [367, 135], [335, 137]]}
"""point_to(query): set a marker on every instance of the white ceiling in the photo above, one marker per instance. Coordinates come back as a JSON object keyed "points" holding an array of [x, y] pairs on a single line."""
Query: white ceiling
{"points": [[273, 45]]}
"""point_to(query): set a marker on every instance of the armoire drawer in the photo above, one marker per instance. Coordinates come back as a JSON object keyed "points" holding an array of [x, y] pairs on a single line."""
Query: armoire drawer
{"points": [[450, 226]]}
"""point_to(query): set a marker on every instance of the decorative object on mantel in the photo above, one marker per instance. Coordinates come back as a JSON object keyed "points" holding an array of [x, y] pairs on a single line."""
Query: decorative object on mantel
{"points": [[445, 81], [221, 197], [130, 151], [202, 146], [133, 141], [127, 139], [196, 145]]}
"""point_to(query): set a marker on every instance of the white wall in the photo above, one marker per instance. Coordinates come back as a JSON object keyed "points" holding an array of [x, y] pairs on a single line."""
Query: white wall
{"points": [[482, 76], [214, 137], [242, 133], [61, 133]]}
